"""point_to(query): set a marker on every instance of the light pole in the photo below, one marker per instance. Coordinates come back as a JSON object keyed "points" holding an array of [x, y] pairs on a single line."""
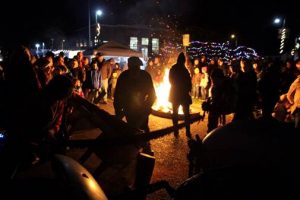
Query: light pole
{"points": [[89, 13], [52, 40], [62, 44], [43, 48], [97, 38], [282, 32], [37, 45], [233, 37]]}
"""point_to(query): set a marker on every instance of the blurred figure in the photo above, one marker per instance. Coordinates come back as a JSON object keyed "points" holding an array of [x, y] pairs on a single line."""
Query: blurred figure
{"points": [[106, 71], [134, 95], [196, 80], [293, 96], [114, 78], [181, 86]]}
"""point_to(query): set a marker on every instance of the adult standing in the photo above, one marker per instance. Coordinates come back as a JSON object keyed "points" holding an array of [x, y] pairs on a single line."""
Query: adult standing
{"points": [[134, 95], [181, 86]]}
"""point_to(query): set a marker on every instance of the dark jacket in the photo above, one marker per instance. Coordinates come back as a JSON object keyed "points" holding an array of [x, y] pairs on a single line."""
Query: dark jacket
{"points": [[181, 85]]}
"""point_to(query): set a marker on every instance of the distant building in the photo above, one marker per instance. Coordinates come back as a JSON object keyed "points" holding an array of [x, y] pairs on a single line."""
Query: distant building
{"points": [[137, 37]]}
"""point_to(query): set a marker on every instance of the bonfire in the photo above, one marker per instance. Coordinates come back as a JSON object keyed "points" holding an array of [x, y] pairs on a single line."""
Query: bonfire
{"points": [[162, 90]]}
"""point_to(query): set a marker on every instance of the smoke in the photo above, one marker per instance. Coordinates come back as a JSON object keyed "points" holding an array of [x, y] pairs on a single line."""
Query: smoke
{"points": [[143, 11]]}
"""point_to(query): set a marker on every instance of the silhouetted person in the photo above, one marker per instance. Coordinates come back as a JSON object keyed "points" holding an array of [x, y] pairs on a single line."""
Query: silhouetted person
{"points": [[181, 86], [216, 102], [134, 95], [269, 87], [246, 91]]}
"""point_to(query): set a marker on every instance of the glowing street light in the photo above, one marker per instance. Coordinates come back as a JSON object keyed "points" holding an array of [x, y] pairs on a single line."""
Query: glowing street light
{"points": [[233, 37], [98, 28], [282, 32], [277, 20], [37, 46], [98, 13]]}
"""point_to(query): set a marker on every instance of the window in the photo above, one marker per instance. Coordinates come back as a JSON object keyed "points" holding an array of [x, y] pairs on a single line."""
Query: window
{"points": [[155, 45], [133, 43], [145, 41], [145, 52]]}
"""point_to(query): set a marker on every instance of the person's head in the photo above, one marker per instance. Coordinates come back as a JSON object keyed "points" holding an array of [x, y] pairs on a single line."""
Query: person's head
{"points": [[99, 56], [112, 61], [212, 61], [77, 83], [94, 65], [79, 55], [220, 61], [203, 59], [196, 70], [86, 61], [61, 54], [196, 61], [60, 87], [60, 60], [134, 63], [150, 62], [74, 63], [181, 58]]}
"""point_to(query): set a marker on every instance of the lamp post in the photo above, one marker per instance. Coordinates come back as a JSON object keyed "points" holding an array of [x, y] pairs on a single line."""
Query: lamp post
{"points": [[89, 17], [97, 38], [37, 45], [62, 44], [233, 37], [282, 32], [52, 41]]}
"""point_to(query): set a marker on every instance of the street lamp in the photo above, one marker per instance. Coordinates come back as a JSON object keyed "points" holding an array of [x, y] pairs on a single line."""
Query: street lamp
{"points": [[37, 45], [97, 38], [282, 32], [98, 13], [62, 44], [233, 37], [52, 40]]}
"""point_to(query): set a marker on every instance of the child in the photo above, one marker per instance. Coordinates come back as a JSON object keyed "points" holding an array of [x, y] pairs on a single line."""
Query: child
{"points": [[77, 88], [196, 79]]}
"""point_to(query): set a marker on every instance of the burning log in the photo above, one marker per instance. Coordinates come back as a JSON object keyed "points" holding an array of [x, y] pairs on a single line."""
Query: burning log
{"points": [[168, 115]]}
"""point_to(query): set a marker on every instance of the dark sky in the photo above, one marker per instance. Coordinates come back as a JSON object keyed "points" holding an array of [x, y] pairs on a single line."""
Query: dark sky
{"points": [[251, 21]]}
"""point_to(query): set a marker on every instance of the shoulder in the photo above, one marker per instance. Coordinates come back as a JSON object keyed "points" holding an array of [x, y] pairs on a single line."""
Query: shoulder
{"points": [[145, 74]]}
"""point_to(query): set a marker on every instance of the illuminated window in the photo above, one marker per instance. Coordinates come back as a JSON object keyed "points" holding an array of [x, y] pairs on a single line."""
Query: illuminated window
{"points": [[155, 45], [133, 43], [145, 41]]}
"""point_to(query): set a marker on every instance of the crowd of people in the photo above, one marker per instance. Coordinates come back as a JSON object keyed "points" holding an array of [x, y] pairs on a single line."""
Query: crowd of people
{"points": [[247, 88], [236, 86]]}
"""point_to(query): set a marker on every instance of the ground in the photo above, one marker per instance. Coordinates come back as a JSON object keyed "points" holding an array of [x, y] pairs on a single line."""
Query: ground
{"points": [[170, 152]]}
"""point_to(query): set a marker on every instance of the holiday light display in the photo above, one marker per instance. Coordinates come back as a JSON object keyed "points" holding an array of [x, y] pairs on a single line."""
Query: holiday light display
{"points": [[221, 50]]}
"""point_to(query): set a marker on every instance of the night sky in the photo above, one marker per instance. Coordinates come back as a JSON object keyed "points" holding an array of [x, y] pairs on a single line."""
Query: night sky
{"points": [[251, 21]]}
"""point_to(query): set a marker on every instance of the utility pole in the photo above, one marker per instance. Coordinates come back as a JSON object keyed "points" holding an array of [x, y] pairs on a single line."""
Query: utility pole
{"points": [[89, 12]]}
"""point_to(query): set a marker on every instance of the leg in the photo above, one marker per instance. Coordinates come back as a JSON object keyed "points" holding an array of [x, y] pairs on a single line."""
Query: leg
{"points": [[186, 111], [175, 117], [105, 87], [213, 117]]}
